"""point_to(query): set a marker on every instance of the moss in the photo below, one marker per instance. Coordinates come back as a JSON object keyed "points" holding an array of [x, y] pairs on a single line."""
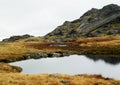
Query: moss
{"points": [[115, 25]]}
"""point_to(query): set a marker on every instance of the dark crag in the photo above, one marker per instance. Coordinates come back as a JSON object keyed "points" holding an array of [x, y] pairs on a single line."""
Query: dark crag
{"points": [[95, 22]]}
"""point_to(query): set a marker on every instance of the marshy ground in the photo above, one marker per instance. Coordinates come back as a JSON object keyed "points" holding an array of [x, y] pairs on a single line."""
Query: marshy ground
{"points": [[21, 50]]}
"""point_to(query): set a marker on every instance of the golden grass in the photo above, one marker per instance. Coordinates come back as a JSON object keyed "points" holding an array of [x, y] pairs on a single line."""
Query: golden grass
{"points": [[11, 50], [4, 67], [14, 50], [106, 45], [54, 79]]}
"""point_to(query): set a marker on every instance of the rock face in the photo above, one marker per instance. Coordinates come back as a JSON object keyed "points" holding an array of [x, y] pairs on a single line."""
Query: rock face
{"points": [[95, 22], [14, 38]]}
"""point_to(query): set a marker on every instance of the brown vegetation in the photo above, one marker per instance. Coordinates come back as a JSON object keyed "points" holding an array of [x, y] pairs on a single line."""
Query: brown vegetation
{"points": [[108, 45], [54, 79], [4, 67]]}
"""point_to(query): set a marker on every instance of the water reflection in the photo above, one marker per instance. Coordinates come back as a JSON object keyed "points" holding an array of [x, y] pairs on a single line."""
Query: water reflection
{"points": [[73, 64], [107, 59]]}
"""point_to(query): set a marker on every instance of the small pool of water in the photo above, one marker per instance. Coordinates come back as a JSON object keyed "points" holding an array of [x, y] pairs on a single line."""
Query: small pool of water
{"points": [[73, 64]]}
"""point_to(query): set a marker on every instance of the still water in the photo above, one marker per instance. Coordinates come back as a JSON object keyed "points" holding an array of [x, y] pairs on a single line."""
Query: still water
{"points": [[74, 64]]}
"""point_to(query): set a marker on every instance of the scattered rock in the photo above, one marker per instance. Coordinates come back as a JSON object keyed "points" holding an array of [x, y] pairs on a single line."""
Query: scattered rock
{"points": [[14, 38], [66, 54], [64, 82], [45, 55], [54, 75], [38, 55], [57, 54]]}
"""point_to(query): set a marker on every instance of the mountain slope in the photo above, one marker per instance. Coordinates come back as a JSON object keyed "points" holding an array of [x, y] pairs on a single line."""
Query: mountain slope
{"points": [[95, 22]]}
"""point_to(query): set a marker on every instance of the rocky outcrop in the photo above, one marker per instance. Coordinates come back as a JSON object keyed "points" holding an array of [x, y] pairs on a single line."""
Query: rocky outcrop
{"points": [[93, 26], [37, 55], [99, 18], [95, 22], [14, 38]]}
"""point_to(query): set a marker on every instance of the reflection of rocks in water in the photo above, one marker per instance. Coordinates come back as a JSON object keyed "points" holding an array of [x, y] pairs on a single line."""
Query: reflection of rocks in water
{"points": [[111, 60]]}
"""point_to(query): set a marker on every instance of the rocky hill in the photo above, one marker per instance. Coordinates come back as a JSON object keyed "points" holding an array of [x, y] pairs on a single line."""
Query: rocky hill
{"points": [[15, 38], [95, 22]]}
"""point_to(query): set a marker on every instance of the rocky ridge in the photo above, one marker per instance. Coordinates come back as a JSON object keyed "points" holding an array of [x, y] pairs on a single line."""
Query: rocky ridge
{"points": [[15, 38], [95, 22]]}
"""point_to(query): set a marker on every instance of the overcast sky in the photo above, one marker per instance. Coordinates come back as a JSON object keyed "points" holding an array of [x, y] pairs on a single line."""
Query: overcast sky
{"points": [[39, 17]]}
